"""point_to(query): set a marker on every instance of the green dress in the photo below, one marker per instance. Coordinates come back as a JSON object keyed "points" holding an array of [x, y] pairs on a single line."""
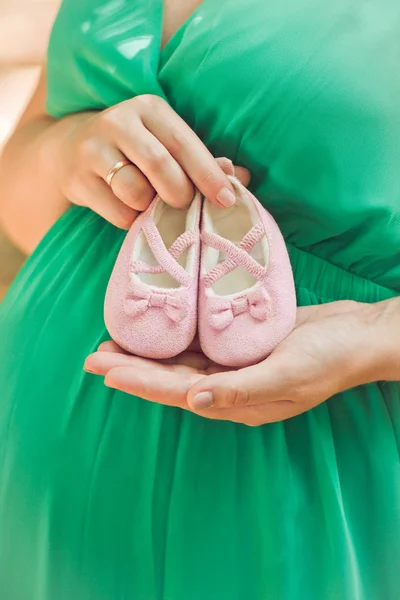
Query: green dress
{"points": [[104, 496]]}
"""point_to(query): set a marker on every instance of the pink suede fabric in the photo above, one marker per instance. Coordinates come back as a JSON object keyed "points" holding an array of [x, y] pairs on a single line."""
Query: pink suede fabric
{"points": [[146, 320], [242, 329]]}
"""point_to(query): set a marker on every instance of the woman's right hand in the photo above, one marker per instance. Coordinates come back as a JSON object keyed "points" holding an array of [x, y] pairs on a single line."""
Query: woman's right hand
{"points": [[166, 158]]}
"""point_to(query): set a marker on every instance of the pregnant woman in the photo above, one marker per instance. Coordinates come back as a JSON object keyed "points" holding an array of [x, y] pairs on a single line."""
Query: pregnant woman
{"points": [[165, 492]]}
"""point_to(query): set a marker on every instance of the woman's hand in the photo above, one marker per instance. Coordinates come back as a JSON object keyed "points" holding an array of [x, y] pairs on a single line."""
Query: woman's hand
{"points": [[48, 163], [334, 347], [166, 157]]}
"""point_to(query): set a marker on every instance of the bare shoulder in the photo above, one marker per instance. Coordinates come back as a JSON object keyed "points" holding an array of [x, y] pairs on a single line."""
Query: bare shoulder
{"points": [[24, 30], [176, 12]]}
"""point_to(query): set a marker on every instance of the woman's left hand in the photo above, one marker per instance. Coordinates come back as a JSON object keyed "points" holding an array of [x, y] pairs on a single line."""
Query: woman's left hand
{"points": [[333, 347]]}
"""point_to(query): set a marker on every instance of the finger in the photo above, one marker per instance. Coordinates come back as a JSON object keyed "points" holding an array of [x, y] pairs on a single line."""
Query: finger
{"points": [[128, 184], [100, 363], [104, 360], [229, 168], [160, 168], [133, 188], [94, 193], [183, 363], [243, 175], [163, 387], [189, 152], [194, 360], [251, 386], [107, 205], [111, 346]]}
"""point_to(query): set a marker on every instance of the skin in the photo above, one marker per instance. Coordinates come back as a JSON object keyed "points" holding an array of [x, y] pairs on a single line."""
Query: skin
{"points": [[334, 347], [50, 164], [176, 12]]}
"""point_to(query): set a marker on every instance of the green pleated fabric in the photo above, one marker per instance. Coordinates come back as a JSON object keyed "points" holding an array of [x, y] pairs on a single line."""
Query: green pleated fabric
{"points": [[104, 496]]}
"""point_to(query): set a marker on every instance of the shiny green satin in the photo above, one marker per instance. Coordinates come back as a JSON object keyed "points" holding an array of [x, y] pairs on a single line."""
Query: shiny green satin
{"points": [[104, 496]]}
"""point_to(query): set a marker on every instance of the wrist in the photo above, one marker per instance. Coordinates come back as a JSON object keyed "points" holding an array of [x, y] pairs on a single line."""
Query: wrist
{"points": [[384, 336]]}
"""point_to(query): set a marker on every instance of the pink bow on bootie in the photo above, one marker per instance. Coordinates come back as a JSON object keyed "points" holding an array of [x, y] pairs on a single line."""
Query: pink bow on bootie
{"points": [[222, 311], [174, 304]]}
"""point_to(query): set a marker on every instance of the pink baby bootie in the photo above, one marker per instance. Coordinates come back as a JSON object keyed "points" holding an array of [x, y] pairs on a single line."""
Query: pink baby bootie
{"points": [[151, 301], [247, 300]]}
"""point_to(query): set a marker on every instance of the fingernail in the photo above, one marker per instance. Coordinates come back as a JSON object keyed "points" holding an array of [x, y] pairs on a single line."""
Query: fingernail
{"points": [[202, 400], [226, 197]]}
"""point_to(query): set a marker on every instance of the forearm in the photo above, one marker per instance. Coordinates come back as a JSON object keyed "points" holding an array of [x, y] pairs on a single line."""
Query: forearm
{"points": [[30, 200]]}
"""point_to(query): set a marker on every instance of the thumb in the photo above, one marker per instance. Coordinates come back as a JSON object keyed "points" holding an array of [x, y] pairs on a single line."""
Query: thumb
{"points": [[260, 384], [243, 175], [229, 168]]}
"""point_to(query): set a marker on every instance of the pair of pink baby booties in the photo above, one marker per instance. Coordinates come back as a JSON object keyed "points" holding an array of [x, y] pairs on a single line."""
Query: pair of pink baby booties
{"points": [[222, 272]]}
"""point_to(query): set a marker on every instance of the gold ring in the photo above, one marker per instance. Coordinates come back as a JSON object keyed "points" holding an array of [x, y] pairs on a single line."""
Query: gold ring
{"points": [[119, 165]]}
